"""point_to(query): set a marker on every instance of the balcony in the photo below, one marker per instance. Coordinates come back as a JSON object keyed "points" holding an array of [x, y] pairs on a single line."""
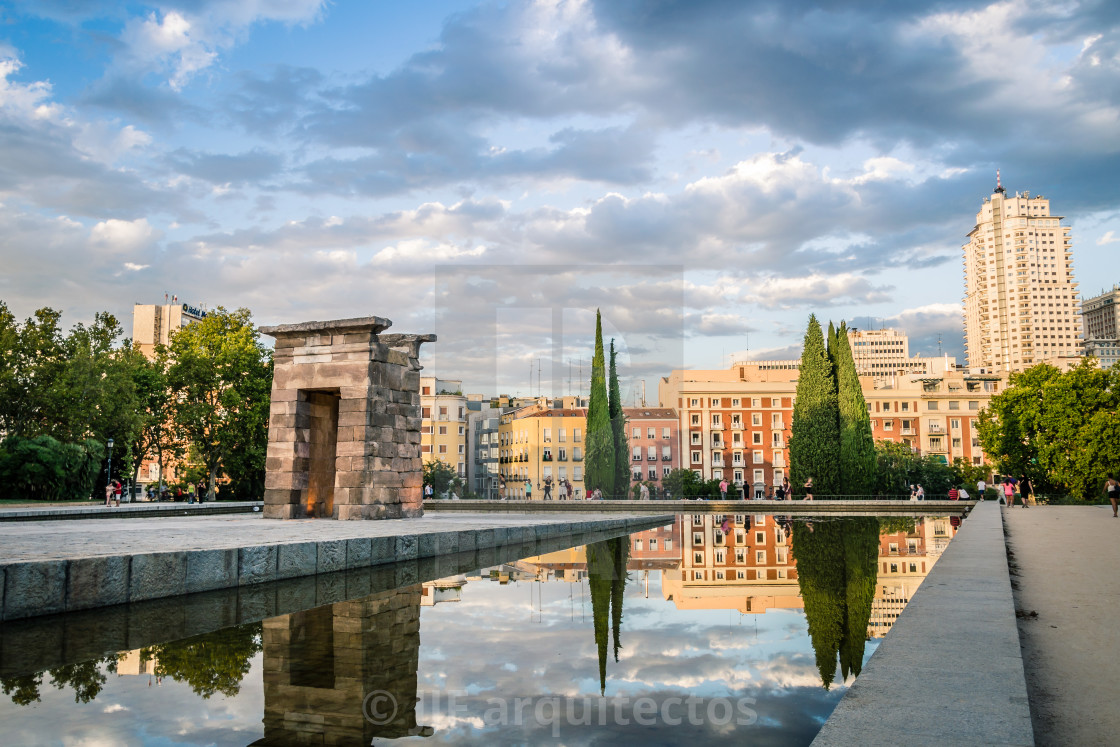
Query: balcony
{"points": [[546, 458], [936, 428], [666, 457]]}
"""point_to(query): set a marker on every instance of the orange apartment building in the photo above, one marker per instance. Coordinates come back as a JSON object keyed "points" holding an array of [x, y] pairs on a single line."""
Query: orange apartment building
{"points": [[655, 450]]}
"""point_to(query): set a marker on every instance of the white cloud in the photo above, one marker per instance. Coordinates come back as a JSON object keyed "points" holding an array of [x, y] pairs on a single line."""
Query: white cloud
{"points": [[1108, 238], [123, 236]]}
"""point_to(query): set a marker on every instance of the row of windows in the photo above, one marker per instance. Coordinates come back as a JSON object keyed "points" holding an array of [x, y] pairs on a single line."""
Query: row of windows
{"points": [[754, 402]]}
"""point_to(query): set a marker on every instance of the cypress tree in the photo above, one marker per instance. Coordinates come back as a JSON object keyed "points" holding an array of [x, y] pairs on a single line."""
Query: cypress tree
{"points": [[599, 570], [857, 444], [618, 432], [599, 472], [814, 447]]}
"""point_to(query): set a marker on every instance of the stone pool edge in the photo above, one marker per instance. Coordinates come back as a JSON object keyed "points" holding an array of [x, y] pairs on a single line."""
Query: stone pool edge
{"points": [[950, 671], [33, 588]]}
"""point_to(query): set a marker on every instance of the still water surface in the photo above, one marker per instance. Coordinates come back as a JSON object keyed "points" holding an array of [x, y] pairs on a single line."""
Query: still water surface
{"points": [[743, 629]]}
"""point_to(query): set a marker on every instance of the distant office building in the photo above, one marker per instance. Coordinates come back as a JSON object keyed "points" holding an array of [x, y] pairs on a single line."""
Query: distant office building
{"points": [[1021, 305], [654, 445], [1101, 315], [154, 324]]}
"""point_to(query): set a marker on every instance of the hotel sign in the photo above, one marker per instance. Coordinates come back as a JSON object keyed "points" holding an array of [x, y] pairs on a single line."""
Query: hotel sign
{"points": [[194, 311]]}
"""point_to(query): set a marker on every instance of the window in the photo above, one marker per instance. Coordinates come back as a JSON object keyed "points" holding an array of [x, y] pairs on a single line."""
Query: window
{"points": [[665, 433], [696, 458], [756, 402], [694, 402], [426, 413], [954, 405], [637, 451], [638, 544], [443, 430], [666, 453], [652, 543], [698, 539], [637, 433], [443, 448], [932, 404], [548, 435], [666, 470], [637, 474], [740, 555], [780, 555], [756, 438], [651, 433], [563, 456], [696, 437], [974, 405], [721, 556], [652, 474], [714, 402], [888, 425], [734, 403], [697, 576], [698, 558], [716, 419], [760, 557], [955, 423], [696, 418], [756, 419], [576, 435], [577, 473], [651, 453], [462, 430], [757, 456], [577, 454]]}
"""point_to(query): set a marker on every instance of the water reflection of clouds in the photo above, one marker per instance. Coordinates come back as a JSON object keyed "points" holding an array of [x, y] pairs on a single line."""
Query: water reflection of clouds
{"points": [[546, 648], [130, 712]]}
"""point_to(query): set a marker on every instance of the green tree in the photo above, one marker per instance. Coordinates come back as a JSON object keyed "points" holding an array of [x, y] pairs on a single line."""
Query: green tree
{"points": [[440, 475], [153, 392], [682, 483], [857, 443], [618, 432], [221, 379], [210, 663], [43, 468], [600, 457], [1061, 430], [606, 578], [815, 439]]}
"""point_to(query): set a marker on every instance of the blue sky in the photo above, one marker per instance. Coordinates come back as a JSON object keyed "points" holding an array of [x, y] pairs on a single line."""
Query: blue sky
{"points": [[708, 173]]}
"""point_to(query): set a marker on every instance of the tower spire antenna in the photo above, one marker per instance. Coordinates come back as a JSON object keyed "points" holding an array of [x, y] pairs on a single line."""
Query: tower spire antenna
{"points": [[999, 183]]}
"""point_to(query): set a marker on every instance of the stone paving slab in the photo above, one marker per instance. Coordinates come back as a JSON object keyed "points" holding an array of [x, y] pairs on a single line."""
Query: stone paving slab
{"points": [[141, 509], [1066, 570], [49, 566], [950, 671]]}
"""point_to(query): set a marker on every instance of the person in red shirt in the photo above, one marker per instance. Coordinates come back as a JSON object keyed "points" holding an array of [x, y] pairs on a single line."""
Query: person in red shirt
{"points": [[954, 494]]}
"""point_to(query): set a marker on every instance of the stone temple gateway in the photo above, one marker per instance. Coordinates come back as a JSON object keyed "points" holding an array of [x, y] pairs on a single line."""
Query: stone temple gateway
{"points": [[344, 427]]}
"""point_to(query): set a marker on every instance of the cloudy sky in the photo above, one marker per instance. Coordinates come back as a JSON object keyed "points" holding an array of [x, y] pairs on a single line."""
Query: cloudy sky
{"points": [[706, 172]]}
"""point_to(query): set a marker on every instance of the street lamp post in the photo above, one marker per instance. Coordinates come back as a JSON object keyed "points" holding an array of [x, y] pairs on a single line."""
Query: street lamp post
{"points": [[109, 470]]}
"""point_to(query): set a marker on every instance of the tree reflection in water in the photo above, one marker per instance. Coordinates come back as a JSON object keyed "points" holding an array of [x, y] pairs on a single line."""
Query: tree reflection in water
{"points": [[606, 577], [211, 663], [836, 571]]}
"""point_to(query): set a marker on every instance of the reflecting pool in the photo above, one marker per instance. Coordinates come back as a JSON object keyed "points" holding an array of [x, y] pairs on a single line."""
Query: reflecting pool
{"points": [[744, 628]]}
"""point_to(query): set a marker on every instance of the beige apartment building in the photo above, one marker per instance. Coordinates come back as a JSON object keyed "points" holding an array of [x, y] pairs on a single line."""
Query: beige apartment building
{"points": [[443, 430], [1021, 305], [153, 324], [539, 442]]}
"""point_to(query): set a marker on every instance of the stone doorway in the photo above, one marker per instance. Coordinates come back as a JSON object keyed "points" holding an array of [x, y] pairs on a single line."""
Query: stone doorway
{"points": [[322, 437]]}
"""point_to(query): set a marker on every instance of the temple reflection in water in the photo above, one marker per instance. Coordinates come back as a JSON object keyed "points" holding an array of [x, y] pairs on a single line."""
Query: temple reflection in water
{"points": [[327, 672]]}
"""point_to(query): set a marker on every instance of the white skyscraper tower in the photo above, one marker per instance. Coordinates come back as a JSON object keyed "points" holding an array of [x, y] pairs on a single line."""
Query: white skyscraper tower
{"points": [[1021, 305]]}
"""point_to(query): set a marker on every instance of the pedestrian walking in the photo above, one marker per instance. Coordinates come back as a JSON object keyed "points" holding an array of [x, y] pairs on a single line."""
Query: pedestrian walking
{"points": [[913, 493], [117, 493], [921, 493], [1026, 490], [1112, 490], [981, 486], [548, 488], [643, 492], [108, 495], [723, 489], [528, 490], [1009, 493], [809, 489]]}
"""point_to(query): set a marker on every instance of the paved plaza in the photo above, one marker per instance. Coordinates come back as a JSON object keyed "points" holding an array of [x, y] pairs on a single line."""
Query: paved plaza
{"points": [[65, 540], [1066, 574]]}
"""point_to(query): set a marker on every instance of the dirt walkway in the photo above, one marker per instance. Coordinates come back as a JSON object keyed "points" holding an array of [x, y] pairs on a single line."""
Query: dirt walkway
{"points": [[1065, 574]]}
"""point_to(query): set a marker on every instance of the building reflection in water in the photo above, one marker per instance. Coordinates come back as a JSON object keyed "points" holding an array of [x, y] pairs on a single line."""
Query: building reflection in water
{"points": [[321, 666]]}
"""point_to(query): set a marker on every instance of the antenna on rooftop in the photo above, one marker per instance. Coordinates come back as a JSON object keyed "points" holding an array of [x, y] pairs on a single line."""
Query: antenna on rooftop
{"points": [[999, 184]]}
